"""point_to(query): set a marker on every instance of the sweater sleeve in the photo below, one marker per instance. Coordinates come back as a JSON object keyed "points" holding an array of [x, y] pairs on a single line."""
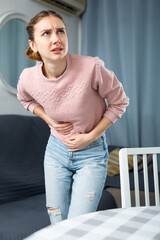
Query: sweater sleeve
{"points": [[109, 88], [24, 97]]}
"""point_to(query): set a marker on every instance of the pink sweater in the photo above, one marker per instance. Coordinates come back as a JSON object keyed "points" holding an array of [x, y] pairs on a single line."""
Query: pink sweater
{"points": [[78, 96]]}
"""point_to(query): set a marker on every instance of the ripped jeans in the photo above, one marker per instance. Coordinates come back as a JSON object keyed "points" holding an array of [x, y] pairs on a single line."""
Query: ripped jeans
{"points": [[74, 181]]}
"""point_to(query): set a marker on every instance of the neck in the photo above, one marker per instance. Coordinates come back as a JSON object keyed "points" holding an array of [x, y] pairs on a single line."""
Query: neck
{"points": [[54, 70]]}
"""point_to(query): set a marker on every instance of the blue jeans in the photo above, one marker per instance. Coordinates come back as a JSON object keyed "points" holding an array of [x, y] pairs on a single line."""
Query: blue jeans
{"points": [[74, 181]]}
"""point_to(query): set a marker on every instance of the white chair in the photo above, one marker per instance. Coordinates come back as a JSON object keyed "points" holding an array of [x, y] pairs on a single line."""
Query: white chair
{"points": [[124, 175]]}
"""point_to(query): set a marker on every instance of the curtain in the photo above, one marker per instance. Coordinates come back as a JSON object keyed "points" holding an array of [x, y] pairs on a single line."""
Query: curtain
{"points": [[13, 43], [125, 34]]}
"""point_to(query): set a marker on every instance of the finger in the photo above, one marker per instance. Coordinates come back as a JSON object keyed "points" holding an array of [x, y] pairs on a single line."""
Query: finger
{"points": [[64, 124], [65, 133], [73, 149], [70, 139], [61, 128], [64, 130], [70, 145], [67, 128], [69, 142]]}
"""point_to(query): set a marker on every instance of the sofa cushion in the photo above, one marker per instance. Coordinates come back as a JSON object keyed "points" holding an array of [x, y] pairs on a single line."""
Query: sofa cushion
{"points": [[22, 140], [21, 218], [113, 162]]}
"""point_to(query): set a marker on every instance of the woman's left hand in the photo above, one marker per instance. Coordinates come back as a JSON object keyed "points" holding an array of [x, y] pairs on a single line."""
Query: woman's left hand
{"points": [[77, 142], [82, 140]]}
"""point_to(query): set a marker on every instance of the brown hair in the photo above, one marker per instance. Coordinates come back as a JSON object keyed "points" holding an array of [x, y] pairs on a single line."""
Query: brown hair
{"points": [[30, 29]]}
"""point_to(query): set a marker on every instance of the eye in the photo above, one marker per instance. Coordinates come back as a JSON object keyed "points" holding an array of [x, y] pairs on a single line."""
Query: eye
{"points": [[46, 33], [60, 31]]}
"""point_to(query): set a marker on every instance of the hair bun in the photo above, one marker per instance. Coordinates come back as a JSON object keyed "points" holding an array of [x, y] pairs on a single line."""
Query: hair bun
{"points": [[32, 55]]}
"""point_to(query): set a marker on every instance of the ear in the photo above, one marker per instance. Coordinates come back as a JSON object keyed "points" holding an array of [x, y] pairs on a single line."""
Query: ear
{"points": [[32, 45]]}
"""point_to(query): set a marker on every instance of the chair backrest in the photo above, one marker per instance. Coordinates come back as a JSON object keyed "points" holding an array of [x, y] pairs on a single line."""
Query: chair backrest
{"points": [[124, 175]]}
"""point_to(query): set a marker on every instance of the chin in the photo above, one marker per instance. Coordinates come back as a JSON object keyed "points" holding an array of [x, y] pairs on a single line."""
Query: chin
{"points": [[59, 57]]}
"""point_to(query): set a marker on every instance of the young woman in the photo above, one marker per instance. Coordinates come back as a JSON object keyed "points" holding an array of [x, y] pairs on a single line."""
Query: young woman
{"points": [[68, 92]]}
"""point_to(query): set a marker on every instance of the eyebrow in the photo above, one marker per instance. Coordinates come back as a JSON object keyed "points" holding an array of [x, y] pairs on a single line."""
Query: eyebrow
{"points": [[49, 29]]}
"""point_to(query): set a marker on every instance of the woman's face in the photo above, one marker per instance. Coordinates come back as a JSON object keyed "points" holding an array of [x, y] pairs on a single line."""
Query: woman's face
{"points": [[50, 39]]}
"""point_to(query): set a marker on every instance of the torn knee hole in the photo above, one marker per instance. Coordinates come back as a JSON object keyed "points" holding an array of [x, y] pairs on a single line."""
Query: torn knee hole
{"points": [[91, 194], [53, 211]]}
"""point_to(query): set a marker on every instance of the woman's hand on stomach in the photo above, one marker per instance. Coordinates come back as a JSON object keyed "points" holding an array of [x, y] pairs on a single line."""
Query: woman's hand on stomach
{"points": [[77, 141], [63, 128]]}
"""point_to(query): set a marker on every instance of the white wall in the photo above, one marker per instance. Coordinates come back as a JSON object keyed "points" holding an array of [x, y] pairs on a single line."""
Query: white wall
{"points": [[8, 102]]}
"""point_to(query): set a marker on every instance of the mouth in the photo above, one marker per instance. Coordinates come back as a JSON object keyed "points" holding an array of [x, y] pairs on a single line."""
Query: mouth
{"points": [[57, 49]]}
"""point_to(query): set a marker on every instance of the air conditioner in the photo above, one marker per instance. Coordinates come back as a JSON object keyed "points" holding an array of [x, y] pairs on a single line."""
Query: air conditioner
{"points": [[72, 7]]}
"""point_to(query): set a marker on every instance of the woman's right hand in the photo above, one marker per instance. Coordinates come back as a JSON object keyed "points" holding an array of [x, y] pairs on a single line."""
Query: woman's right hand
{"points": [[63, 128]]}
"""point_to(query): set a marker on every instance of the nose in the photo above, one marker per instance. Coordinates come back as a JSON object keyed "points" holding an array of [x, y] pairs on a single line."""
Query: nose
{"points": [[55, 38]]}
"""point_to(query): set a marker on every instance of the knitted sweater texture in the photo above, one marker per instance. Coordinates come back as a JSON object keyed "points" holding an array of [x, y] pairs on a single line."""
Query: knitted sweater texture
{"points": [[82, 95]]}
